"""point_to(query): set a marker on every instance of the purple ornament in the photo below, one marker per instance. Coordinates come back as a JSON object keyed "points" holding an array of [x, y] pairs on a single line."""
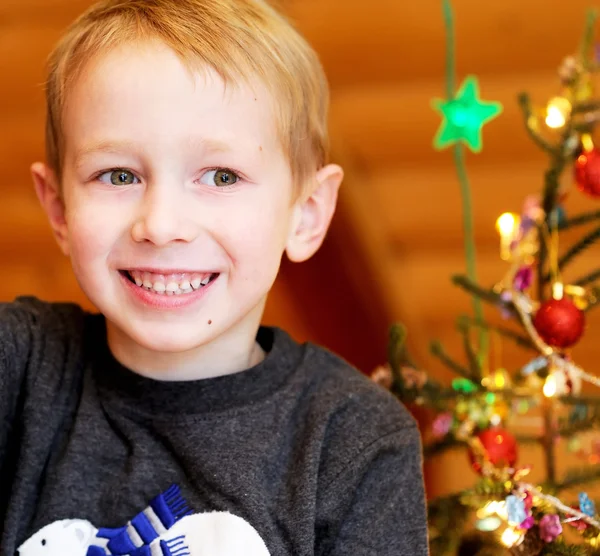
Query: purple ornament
{"points": [[528, 523], [441, 425], [532, 211], [526, 225], [523, 278], [550, 527]]}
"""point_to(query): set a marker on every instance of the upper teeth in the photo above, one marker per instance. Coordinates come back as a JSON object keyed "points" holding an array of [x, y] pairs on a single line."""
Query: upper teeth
{"points": [[171, 284]]}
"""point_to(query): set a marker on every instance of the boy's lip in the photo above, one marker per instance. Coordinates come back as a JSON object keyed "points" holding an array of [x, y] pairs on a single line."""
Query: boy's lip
{"points": [[153, 299], [157, 270]]}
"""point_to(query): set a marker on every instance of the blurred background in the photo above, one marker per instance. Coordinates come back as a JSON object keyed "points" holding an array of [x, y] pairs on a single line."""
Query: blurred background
{"points": [[397, 235]]}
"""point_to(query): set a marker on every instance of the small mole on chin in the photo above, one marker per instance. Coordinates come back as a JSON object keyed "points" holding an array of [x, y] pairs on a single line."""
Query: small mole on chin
{"points": [[210, 322]]}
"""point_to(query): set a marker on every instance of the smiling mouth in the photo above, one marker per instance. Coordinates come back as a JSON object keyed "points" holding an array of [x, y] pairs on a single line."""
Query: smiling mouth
{"points": [[170, 284]]}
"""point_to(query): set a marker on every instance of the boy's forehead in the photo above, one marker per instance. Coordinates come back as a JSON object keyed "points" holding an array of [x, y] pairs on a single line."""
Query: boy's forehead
{"points": [[146, 90]]}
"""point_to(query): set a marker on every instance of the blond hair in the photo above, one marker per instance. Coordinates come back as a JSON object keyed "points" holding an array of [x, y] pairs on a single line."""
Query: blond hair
{"points": [[239, 39]]}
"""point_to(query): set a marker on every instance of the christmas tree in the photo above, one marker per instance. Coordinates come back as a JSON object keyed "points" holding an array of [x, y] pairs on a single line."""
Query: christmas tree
{"points": [[482, 407]]}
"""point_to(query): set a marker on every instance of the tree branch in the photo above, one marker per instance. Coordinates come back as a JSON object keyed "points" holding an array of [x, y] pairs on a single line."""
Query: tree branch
{"points": [[519, 339], [437, 351], [528, 118], [576, 249], [578, 478], [580, 219], [588, 278], [488, 296]]}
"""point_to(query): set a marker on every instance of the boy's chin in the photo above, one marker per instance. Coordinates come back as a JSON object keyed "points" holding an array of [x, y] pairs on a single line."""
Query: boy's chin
{"points": [[173, 340]]}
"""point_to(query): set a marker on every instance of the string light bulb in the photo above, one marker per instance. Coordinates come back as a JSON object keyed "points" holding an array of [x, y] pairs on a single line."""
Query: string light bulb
{"points": [[550, 388], [510, 537], [557, 112], [578, 295], [558, 290], [586, 142], [507, 226]]}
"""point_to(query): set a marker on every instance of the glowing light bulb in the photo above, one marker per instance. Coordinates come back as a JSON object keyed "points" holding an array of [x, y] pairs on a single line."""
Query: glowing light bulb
{"points": [[507, 226], [549, 386], [586, 142], [506, 223], [555, 118], [558, 290], [488, 524], [495, 507], [578, 296], [489, 509], [557, 112], [498, 382], [501, 510], [510, 537]]}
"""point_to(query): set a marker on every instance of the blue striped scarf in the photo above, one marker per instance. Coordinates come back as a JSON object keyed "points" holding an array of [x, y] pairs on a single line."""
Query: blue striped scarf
{"points": [[136, 538]]}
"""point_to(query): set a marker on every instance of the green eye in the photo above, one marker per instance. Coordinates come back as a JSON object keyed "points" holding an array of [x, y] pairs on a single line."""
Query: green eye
{"points": [[118, 177], [225, 177], [121, 177]]}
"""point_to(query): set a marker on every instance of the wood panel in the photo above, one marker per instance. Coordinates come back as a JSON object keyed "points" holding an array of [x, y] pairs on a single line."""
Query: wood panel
{"points": [[387, 40], [421, 206]]}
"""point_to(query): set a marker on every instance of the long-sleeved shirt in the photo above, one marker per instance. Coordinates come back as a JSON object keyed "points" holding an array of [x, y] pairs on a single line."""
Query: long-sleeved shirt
{"points": [[302, 451]]}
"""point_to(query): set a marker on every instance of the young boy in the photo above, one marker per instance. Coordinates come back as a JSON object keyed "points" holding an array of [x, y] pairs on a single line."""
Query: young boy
{"points": [[186, 152]]}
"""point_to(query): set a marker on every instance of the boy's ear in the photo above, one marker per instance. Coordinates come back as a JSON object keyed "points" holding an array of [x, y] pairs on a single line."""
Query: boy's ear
{"points": [[48, 192], [313, 214]]}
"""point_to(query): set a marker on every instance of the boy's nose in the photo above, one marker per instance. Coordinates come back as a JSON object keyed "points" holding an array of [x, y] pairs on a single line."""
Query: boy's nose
{"points": [[162, 220]]}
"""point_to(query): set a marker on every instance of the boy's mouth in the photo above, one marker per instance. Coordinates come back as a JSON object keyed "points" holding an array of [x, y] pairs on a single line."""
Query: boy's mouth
{"points": [[170, 284]]}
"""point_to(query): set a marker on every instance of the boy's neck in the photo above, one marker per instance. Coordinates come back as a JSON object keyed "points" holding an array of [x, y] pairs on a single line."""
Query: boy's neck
{"points": [[229, 354]]}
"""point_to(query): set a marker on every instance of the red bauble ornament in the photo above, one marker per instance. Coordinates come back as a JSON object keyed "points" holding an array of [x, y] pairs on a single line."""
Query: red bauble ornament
{"points": [[587, 172], [559, 322], [500, 447]]}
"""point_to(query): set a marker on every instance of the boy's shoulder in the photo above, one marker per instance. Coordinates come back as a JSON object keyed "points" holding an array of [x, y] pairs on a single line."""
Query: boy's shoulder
{"points": [[32, 311], [34, 329], [346, 413], [353, 420], [337, 383]]}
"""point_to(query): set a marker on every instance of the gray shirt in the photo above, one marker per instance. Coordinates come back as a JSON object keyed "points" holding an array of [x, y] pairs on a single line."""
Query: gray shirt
{"points": [[312, 455]]}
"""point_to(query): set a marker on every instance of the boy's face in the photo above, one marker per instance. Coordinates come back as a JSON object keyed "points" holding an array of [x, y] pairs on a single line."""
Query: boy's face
{"points": [[172, 180]]}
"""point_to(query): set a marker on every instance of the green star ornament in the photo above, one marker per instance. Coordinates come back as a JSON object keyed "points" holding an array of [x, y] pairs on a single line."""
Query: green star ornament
{"points": [[464, 116]]}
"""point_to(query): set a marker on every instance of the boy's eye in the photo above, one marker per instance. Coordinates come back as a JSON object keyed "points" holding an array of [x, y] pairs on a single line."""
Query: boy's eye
{"points": [[219, 177], [118, 177]]}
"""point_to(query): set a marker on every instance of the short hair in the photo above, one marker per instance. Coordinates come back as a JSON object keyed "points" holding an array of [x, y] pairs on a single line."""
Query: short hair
{"points": [[239, 39]]}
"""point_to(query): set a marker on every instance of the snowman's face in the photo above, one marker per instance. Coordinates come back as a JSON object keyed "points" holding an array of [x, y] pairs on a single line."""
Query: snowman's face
{"points": [[218, 534], [70, 536]]}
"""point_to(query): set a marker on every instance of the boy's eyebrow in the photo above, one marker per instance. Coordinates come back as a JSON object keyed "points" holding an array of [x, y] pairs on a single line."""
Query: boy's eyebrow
{"points": [[211, 145], [101, 147], [208, 145]]}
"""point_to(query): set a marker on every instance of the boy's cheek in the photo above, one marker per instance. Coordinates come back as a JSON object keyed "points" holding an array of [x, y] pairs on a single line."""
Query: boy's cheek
{"points": [[91, 232], [259, 226]]}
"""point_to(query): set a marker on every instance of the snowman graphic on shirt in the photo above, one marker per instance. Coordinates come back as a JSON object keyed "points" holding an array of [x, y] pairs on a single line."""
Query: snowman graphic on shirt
{"points": [[167, 527]]}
